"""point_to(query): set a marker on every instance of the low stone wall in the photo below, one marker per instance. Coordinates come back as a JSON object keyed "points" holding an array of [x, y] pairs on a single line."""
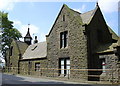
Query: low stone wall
{"points": [[28, 67], [112, 69]]}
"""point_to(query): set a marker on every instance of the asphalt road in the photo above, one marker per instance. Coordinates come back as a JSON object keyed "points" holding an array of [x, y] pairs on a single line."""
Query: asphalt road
{"points": [[17, 80]]}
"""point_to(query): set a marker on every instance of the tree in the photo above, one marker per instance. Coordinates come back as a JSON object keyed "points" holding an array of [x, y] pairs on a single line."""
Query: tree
{"points": [[8, 32]]}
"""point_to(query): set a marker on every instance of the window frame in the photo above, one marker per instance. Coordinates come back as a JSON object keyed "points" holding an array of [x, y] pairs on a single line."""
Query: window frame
{"points": [[63, 17], [65, 66], [11, 50], [37, 66], [64, 39]]}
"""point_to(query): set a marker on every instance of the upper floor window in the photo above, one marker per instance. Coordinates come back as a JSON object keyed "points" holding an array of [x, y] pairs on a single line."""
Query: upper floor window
{"points": [[11, 50], [64, 39], [63, 17]]}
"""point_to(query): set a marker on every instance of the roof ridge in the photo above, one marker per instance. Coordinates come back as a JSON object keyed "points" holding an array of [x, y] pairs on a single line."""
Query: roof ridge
{"points": [[87, 11], [90, 15], [74, 11], [38, 43]]}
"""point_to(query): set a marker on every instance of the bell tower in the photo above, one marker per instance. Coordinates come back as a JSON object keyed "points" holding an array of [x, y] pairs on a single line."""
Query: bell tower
{"points": [[28, 38]]}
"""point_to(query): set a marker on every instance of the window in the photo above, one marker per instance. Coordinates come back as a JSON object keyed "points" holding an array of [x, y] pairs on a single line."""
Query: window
{"points": [[63, 17], [103, 66], [64, 66], [63, 39], [66, 39], [37, 66], [11, 50]]}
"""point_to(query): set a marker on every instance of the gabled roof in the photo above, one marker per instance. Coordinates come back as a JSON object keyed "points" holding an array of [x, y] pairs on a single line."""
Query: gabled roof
{"points": [[84, 18], [114, 35], [38, 50], [22, 46], [106, 48]]}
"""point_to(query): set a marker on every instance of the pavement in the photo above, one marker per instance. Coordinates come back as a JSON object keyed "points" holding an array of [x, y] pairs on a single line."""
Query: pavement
{"points": [[19, 80]]}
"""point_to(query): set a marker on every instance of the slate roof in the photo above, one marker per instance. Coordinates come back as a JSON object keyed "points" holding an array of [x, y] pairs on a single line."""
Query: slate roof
{"points": [[38, 50], [86, 17], [114, 35], [106, 48], [22, 46]]}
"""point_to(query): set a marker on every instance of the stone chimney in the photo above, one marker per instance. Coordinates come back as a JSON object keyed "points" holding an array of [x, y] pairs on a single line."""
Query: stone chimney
{"points": [[35, 41]]}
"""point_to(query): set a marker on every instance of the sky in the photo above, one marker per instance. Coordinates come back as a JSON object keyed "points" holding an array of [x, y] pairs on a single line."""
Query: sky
{"points": [[41, 15]]}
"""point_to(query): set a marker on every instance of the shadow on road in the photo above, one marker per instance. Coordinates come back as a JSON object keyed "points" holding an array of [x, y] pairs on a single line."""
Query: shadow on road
{"points": [[13, 80]]}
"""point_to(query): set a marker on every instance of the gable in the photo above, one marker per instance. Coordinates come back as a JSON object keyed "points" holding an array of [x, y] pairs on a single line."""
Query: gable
{"points": [[114, 35], [88, 16], [98, 25], [65, 10], [19, 46]]}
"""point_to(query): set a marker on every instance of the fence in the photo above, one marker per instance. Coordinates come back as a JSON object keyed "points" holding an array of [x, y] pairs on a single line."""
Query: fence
{"points": [[108, 75]]}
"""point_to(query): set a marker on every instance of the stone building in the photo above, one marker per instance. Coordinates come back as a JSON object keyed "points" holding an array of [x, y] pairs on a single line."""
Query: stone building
{"points": [[14, 54], [74, 41], [111, 59], [77, 44], [34, 58]]}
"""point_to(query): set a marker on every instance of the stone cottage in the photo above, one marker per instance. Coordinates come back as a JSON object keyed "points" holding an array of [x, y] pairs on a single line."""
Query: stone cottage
{"points": [[77, 45], [14, 54]]}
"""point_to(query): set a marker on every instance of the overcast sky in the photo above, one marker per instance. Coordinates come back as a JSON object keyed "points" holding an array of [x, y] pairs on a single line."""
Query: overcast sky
{"points": [[41, 15]]}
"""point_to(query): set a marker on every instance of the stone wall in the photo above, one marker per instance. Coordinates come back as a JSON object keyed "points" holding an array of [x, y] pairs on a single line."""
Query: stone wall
{"points": [[26, 69], [13, 63], [112, 68], [77, 45]]}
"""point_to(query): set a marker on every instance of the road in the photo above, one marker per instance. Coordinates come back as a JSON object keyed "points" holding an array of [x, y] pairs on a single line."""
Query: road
{"points": [[18, 80]]}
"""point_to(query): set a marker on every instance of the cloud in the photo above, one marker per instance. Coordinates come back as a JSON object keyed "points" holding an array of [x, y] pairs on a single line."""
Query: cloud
{"points": [[82, 9], [34, 30], [7, 5], [108, 6]]}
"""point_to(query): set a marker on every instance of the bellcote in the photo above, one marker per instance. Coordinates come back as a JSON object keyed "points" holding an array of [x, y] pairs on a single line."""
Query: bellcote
{"points": [[28, 38]]}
